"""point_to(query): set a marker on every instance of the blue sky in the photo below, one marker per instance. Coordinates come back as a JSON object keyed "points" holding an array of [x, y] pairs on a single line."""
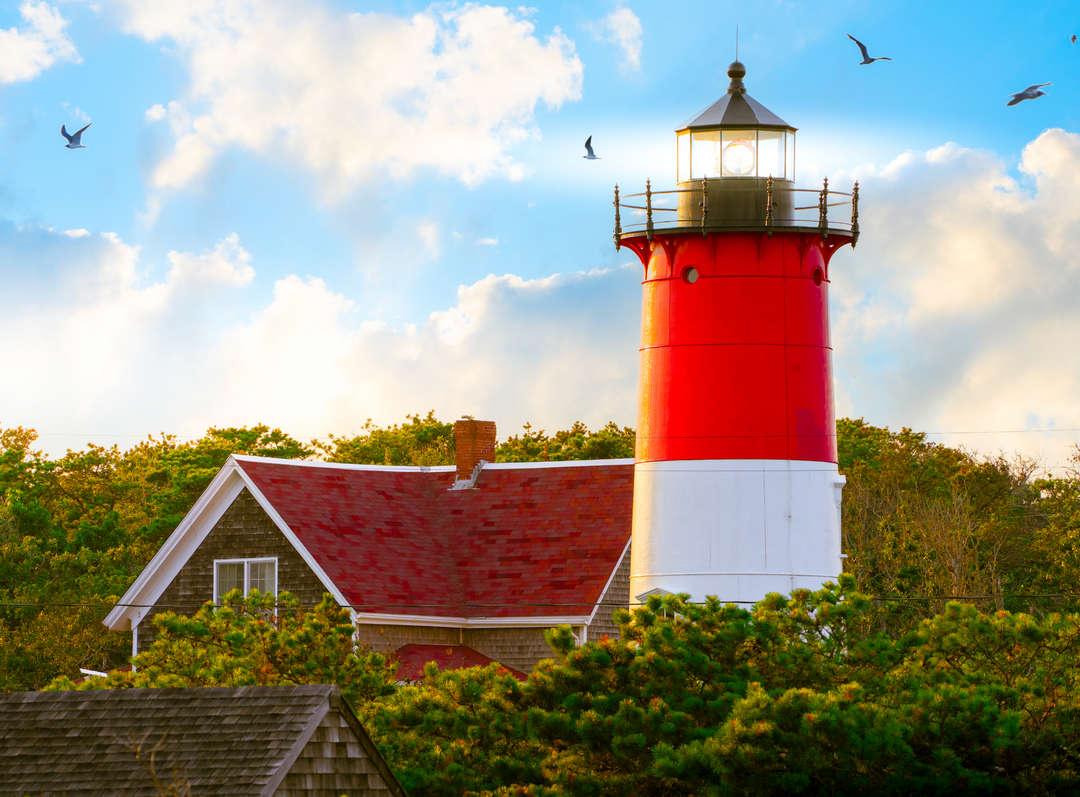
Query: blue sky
{"points": [[309, 214]]}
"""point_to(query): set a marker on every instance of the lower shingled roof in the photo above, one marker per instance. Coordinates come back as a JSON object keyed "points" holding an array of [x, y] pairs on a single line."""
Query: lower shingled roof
{"points": [[224, 741]]}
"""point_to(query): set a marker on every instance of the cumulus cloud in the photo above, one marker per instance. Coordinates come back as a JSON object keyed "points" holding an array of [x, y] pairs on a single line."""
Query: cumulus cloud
{"points": [[101, 347], [623, 29], [547, 351], [957, 311], [41, 42], [450, 90], [92, 339]]}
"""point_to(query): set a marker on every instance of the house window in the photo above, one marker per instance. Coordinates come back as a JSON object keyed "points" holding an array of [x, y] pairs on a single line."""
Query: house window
{"points": [[244, 575]]}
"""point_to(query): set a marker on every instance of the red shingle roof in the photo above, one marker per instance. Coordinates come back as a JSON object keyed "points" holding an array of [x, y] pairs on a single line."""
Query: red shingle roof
{"points": [[527, 542], [412, 658]]}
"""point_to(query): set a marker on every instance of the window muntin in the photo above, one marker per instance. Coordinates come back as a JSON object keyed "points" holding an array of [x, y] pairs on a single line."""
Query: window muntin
{"points": [[244, 575]]}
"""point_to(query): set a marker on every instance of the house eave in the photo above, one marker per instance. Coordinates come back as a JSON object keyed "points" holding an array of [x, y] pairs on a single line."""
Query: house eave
{"points": [[372, 618]]}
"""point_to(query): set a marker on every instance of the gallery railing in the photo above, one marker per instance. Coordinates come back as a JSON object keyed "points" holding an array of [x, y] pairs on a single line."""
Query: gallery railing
{"points": [[723, 204]]}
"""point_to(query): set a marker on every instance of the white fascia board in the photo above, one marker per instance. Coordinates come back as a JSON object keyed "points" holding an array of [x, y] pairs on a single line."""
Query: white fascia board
{"points": [[178, 548], [283, 527], [468, 622], [572, 463], [611, 578], [241, 458]]}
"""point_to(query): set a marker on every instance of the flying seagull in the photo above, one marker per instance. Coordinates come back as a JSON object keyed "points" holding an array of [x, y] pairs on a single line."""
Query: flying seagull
{"points": [[1030, 93], [74, 141], [588, 148], [1073, 38], [866, 59]]}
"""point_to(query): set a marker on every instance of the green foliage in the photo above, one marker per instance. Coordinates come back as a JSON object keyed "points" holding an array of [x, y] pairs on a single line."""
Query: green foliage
{"points": [[427, 441], [257, 640], [800, 696], [422, 441], [922, 519], [79, 529], [575, 443]]}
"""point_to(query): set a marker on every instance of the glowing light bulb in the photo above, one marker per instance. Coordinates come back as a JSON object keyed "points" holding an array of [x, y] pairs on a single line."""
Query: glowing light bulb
{"points": [[739, 158]]}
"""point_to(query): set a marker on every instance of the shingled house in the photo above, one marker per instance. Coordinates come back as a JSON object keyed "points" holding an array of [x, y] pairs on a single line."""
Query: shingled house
{"points": [[285, 741], [477, 557]]}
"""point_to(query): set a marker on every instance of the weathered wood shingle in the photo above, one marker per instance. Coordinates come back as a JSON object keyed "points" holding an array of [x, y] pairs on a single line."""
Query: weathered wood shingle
{"points": [[223, 741]]}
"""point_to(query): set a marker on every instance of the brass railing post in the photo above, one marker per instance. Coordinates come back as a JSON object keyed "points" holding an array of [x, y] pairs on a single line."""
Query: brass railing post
{"points": [[855, 215], [768, 204], [704, 204], [618, 222], [648, 210], [823, 219]]}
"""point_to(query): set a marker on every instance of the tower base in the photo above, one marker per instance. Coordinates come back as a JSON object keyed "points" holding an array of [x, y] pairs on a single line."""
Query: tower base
{"points": [[734, 528]]}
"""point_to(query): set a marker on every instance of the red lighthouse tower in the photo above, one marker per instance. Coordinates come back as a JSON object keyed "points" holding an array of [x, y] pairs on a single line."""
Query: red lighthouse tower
{"points": [[736, 490]]}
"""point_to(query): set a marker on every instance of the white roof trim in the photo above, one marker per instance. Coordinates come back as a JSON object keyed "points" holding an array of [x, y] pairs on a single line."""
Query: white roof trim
{"points": [[573, 463], [283, 527], [346, 465], [178, 548], [468, 622], [611, 578]]}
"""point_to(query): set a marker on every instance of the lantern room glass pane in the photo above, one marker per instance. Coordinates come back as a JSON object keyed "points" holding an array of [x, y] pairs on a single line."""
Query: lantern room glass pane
{"points": [[771, 154], [705, 154], [790, 156], [738, 154], [684, 157]]}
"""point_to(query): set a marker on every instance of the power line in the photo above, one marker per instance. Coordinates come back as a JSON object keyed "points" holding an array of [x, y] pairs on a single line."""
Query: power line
{"points": [[362, 606]]}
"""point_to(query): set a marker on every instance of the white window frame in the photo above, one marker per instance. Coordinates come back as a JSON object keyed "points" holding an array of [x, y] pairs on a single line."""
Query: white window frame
{"points": [[247, 573]]}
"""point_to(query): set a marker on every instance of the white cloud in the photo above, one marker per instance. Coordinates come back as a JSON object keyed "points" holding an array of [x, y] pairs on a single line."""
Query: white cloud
{"points": [[451, 89], [25, 53], [622, 28], [549, 351], [957, 311], [487, 241], [79, 114], [110, 350], [228, 265], [428, 232], [99, 342]]}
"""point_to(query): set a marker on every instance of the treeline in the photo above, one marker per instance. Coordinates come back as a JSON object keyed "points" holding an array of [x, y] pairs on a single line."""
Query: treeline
{"points": [[921, 522], [803, 695]]}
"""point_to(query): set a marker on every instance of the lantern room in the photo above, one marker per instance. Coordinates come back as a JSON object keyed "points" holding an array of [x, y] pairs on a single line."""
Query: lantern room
{"points": [[736, 138]]}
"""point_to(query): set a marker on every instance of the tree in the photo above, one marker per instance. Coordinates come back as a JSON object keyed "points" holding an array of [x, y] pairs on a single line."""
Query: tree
{"points": [[258, 640], [800, 696], [575, 443], [924, 520], [421, 441]]}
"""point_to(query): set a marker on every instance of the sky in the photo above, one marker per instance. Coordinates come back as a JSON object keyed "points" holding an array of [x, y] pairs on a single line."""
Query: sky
{"points": [[309, 214]]}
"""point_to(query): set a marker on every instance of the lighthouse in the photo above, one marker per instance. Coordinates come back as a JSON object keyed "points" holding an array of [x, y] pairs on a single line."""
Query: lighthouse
{"points": [[736, 487]]}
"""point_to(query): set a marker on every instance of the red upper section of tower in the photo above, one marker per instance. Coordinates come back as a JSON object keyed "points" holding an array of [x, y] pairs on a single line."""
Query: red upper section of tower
{"points": [[736, 364]]}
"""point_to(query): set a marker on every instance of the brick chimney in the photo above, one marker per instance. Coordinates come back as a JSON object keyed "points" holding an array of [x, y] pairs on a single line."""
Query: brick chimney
{"points": [[473, 441]]}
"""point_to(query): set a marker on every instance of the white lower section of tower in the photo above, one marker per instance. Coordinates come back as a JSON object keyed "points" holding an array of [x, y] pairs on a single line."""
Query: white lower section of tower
{"points": [[734, 528]]}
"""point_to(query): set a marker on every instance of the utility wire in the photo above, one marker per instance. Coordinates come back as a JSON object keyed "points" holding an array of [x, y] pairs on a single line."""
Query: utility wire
{"points": [[361, 606]]}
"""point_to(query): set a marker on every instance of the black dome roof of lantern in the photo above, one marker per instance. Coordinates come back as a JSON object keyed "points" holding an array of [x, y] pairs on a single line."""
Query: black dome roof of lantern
{"points": [[736, 108]]}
